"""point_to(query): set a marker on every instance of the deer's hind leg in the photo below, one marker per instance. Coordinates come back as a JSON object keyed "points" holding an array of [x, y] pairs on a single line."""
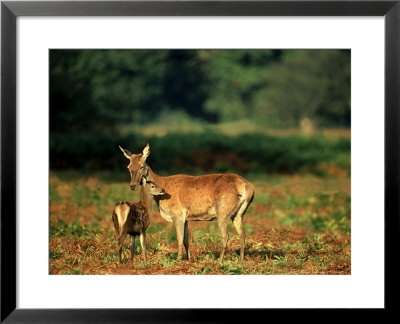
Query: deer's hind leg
{"points": [[238, 223], [223, 211]]}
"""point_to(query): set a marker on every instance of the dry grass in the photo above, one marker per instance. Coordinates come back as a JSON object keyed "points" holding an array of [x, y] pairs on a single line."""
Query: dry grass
{"points": [[297, 224]]}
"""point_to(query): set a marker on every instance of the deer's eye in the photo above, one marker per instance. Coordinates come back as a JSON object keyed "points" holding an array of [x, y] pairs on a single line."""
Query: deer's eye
{"points": [[152, 186]]}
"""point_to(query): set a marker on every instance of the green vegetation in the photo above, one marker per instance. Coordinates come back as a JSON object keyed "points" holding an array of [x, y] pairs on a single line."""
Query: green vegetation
{"points": [[297, 224], [275, 87], [221, 100], [207, 152], [280, 118]]}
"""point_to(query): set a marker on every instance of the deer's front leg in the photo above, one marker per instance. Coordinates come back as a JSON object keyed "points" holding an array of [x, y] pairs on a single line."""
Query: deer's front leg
{"points": [[179, 225], [143, 244], [224, 231], [186, 240]]}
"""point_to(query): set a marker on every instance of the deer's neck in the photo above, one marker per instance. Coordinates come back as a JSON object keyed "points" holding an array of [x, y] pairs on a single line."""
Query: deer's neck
{"points": [[146, 200], [154, 177]]}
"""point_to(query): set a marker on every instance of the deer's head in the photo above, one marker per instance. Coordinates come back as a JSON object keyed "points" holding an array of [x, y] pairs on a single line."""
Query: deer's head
{"points": [[153, 189], [137, 166]]}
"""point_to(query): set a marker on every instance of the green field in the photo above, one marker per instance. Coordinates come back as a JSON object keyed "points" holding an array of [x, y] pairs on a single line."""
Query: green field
{"points": [[297, 224], [280, 118]]}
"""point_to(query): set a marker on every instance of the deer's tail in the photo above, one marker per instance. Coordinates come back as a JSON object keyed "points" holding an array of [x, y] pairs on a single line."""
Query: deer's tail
{"points": [[246, 197]]}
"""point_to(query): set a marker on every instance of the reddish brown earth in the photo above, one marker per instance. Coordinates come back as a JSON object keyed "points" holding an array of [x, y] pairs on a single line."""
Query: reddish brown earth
{"points": [[296, 225]]}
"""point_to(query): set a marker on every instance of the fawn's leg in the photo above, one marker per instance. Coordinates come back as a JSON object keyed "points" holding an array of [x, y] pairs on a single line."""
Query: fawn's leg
{"points": [[121, 240], [132, 247]]}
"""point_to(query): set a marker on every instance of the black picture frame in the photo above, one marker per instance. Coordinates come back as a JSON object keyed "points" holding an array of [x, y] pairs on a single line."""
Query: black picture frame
{"points": [[10, 10]]}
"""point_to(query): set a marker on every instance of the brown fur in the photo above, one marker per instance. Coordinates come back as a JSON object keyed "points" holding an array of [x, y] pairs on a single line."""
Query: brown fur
{"points": [[137, 219], [192, 198]]}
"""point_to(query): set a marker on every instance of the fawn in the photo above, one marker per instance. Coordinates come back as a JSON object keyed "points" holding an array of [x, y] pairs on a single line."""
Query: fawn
{"points": [[134, 218]]}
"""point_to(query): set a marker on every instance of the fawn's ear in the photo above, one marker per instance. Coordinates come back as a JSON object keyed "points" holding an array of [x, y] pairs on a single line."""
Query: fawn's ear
{"points": [[144, 181], [146, 152], [126, 153]]}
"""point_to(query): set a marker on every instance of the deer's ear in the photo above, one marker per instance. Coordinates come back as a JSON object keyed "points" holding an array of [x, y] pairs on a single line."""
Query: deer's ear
{"points": [[126, 153], [146, 152]]}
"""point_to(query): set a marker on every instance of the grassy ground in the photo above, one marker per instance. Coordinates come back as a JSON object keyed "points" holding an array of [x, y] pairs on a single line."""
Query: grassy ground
{"points": [[297, 224]]}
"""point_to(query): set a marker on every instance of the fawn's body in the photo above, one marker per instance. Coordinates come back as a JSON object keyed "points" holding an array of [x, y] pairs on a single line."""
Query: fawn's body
{"points": [[134, 219]]}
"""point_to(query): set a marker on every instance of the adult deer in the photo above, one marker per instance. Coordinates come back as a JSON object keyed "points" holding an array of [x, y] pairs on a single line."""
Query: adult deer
{"points": [[196, 198]]}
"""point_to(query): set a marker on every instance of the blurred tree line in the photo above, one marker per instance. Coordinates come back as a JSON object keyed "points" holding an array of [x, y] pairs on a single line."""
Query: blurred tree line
{"points": [[278, 88], [94, 92]]}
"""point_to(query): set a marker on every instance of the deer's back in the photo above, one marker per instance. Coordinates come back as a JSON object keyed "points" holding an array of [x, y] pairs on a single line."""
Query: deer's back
{"points": [[132, 218], [138, 219], [197, 196]]}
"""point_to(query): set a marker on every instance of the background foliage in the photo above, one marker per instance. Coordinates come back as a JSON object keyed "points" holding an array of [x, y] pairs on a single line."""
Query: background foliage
{"points": [[281, 118], [102, 98]]}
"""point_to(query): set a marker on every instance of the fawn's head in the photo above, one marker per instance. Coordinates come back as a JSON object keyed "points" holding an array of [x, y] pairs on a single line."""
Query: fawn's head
{"points": [[137, 166], [153, 189]]}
